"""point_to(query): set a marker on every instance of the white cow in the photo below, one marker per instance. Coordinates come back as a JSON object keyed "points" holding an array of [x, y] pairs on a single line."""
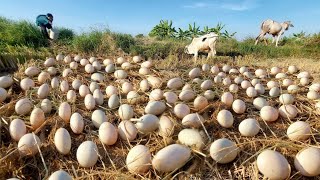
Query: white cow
{"points": [[274, 28], [205, 43]]}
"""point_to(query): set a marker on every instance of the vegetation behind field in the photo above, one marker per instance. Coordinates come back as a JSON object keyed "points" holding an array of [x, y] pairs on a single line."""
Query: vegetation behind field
{"points": [[23, 39]]}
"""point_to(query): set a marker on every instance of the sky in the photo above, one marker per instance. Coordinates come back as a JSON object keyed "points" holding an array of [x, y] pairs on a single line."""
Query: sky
{"points": [[139, 16]]}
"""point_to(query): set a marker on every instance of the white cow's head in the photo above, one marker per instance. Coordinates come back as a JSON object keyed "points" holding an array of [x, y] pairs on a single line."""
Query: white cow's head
{"points": [[190, 49]]}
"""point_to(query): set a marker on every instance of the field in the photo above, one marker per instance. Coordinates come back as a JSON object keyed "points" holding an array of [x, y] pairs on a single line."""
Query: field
{"points": [[168, 61]]}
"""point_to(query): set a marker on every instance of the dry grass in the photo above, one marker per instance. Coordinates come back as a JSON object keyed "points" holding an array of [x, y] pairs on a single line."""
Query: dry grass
{"points": [[111, 162]]}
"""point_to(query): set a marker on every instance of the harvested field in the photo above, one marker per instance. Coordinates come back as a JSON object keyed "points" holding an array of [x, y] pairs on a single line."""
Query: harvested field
{"points": [[111, 163]]}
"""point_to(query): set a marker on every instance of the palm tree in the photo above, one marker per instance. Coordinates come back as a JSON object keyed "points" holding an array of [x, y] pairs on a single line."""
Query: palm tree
{"points": [[194, 30], [226, 34], [182, 35], [163, 30]]}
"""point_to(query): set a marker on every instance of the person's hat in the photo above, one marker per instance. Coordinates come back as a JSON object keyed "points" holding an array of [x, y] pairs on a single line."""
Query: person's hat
{"points": [[50, 17]]}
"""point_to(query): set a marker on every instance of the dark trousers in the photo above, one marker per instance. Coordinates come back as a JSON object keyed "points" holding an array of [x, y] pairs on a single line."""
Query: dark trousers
{"points": [[44, 31]]}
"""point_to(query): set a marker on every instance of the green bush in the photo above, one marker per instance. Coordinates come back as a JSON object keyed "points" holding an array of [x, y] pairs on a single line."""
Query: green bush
{"points": [[159, 49], [88, 42], [21, 33], [65, 35], [123, 41]]}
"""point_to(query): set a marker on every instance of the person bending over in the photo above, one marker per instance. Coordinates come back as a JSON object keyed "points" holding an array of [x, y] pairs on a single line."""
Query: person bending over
{"points": [[45, 22]]}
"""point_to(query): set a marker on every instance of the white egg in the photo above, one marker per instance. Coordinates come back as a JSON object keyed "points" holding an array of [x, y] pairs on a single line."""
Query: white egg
{"points": [[28, 144], [191, 138], [260, 102], [108, 134], [269, 114], [175, 83], [84, 90], [299, 131], [286, 99], [3, 94], [65, 111], [89, 102], [76, 123], [64, 86], [187, 95], [225, 118], [156, 95], [227, 99], [127, 130], [238, 106], [233, 88], [259, 88], [272, 84], [25, 84], [139, 159], [195, 72], [144, 85], [155, 107], [43, 77], [87, 154], [76, 84], [43, 91], [166, 126], [200, 103], [60, 175], [114, 101], [307, 162], [245, 84], [170, 97], [251, 92], [288, 111], [110, 90], [214, 70], [193, 120], [274, 92], [71, 96], [110, 68], [147, 123], [249, 127], [98, 117], [32, 71], [223, 151], [62, 141], [171, 157], [155, 82], [207, 84], [17, 129], [313, 95], [209, 94], [125, 112], [37, 118], [55, 82], [46, 106], [273, 165], [23, 106], [181, 110]]}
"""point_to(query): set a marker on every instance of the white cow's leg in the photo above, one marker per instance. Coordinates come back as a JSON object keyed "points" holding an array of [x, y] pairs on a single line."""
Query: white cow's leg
{"points": [[195, 56], [273, 39], [259, 37], [277, 40], [209, 54]]}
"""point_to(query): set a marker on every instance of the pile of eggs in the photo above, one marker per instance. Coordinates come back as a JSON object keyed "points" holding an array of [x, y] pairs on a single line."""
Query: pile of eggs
{"points": [[142, 100]]}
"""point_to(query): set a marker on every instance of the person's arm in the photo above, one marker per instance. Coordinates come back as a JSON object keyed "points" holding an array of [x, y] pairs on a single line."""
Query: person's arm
{"points": [[45, 32], [49, 26]]}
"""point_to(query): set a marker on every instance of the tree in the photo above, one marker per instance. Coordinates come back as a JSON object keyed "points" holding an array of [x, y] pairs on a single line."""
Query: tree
{"points": [[194, 30], [163, 30], [182, 35], [226, 34]]}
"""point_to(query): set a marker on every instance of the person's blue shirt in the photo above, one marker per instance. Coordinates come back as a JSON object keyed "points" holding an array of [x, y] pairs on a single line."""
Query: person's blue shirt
{"points": [[42, 20]]}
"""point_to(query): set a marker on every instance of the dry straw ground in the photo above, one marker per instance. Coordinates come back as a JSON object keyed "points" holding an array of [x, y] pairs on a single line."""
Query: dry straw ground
{"points": [[111, 163]]}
